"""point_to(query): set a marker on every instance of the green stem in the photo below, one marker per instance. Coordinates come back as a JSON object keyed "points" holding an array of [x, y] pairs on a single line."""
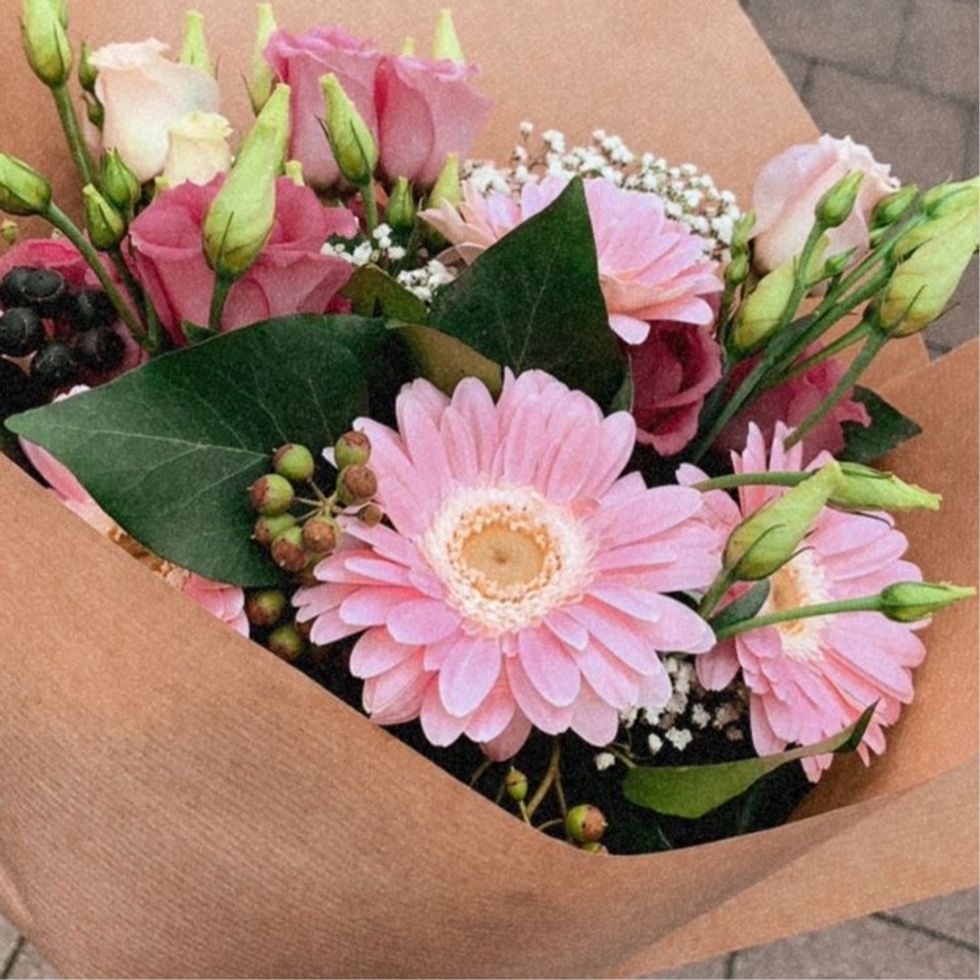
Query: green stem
{"points": [[480, 770], [857, 367], [714, 595], [370, 207], [551, 774], [222, 284], [69, 123], [853, 336], [863, 604], [55, 216], [733, 480]]}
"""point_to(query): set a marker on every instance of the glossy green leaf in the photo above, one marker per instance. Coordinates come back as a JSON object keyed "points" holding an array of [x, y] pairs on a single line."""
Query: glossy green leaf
{"points": [[693, 791], [889, 428], [169, 450], [744, 607], [374, 293]]}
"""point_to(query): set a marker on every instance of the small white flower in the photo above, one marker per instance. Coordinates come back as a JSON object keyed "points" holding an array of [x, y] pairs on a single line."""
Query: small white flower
{"points": [[700, 716], [554, 139], [628, 717], [396, 253], [677, 703], [527, 128], [605, 760], [362, 254], [655, 743], [680, 738], [734, 734]]}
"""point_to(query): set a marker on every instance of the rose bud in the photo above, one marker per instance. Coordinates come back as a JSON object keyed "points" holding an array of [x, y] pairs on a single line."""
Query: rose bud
{"points": [[267, 529], [294, 462], [195, 48], [356, 485], [106, 227], [400, 212], [836, 205], [22, 190], [321, 534], [585, 823], [261, 77], [908, 602], [288, 552], [45, 42], [352, 448], [286, 643], [271, 494], [515, 782], [351, 141], [265, 608]]}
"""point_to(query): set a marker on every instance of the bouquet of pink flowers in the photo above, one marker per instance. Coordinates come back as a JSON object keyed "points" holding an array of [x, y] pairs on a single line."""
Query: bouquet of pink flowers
{"points": [[560, 469]]}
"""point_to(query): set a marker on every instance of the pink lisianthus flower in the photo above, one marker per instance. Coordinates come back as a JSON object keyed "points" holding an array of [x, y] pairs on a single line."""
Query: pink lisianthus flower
{"points": [[790, 185], [301, 62], [226, 602], [523, 582], [792, 402], [426, 110], [810, 678], [650, 268], [291, 275], [673, 370]]}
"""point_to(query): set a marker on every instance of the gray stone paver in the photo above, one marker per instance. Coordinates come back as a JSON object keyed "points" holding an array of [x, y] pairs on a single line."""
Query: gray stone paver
{"points": [[941, 48], [30, 965], [716, 969], [956, 915], [8, 941]]}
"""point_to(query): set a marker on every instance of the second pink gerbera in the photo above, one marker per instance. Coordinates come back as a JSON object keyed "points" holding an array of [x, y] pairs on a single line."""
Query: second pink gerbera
{"points": [[523, 581]]}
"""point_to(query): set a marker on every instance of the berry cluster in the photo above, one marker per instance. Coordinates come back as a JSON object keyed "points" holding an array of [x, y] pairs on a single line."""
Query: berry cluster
{"points": [[64, 333], [298, 542]]}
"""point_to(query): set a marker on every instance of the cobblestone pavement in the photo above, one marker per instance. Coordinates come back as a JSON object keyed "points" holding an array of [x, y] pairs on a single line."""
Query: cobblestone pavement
{"points": [[901, 76]]}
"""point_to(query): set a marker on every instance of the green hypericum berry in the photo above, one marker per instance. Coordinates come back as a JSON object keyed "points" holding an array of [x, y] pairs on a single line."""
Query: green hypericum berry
{"points": [[271, 494], [265, 608], [356, 485], [267, 529], [352, 449], [370, 515], [515, 782], [594, 847], [321, 534], [294, 462], [585, 823], [286, 642], [288, 552]]}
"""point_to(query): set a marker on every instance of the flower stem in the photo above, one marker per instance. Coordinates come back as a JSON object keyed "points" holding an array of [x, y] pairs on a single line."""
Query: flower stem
{"points": [[714, 595], [69, 123], [370, 206], [222, 284], [733, 480], [480, 770], [863, 604], [55, 216], [853, 336], [551, 774]]}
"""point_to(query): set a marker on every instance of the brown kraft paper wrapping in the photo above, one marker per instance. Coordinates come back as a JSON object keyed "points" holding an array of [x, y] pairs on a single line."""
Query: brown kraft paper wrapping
{"points": [[174, 801]]}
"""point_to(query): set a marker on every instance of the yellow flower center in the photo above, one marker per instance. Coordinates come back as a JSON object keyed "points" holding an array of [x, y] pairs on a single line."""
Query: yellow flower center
{"points": [[800, 582]]}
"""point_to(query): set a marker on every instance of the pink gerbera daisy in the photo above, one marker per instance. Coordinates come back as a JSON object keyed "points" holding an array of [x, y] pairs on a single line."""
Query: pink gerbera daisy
{"points": [[522, 583], [810, 678], [650, 268]]}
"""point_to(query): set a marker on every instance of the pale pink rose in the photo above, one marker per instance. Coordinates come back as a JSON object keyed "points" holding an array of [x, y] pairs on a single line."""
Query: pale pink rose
{"points": [[426, 110], [198, 149], [524, 581], [673, 371], [811, 678], [650, 268], [301, 62], [792, 402], [789, 187], [144, 94], [291, 275]]}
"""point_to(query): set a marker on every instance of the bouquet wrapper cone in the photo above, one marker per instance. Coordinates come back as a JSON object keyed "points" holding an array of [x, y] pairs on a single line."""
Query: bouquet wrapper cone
{"points": [[174, 801]]}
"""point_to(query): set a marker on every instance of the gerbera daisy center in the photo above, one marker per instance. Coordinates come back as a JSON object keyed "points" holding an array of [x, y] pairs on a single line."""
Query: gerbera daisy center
{"points": [[800, 582]]}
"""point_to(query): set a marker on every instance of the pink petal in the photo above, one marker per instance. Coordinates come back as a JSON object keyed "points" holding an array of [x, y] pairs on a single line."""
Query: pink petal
{"points": [[422, 620], [468, 673], [439, 726], [510, 740], [371, 606], [541, 713], [549, 667], [376, 652], [494, 715], [717, 668], [593, 719]]}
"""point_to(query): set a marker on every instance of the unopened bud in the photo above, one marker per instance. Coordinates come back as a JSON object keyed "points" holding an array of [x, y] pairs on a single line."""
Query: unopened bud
{"points": [[371, 515], [738, 270], [106, 226], [288, 552], [261, 78], [351, 449], [892, 207], [400, 213], [87, 72], [321, 535], [94, 111], [119, 184], [265, 608], [836, 205], [741, 231], [267, 529], [9, 231], [515, 783], [353, 145], [865, 488], [585, 824], [908, 602], [446, 44], [951, 198], [294, 462], [770, 537], [195, 50], [356, 484], [22, 189], [45, 41], [836, 264], [408, 47], [447, 187], [286, 643], [761, 311], [293, 169], [271, 494]]}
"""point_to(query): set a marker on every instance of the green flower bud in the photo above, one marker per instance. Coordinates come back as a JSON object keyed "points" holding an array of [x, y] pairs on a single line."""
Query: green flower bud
{"points": [[45, 41], [371, 515], [294, 462], [265, 608], [837, 203], [760, 312], [271, 494], [400, 213], [769, 538], [356, 484], [922, 233], [242, 214], [585, 824], [261, 78], [924, 283], [446, 44], [22, 190], [741, 231], [447, 186], [321, 535], [836, 264], [893, 206], [268, 528], [351, 142], [408, 48], [106, 226], [293, 169], [94, 111], [287, 551], [951, 198], [195, 50], [351, 449], [738, 270], [9, 231], [61, 11], [515, 783], [119, 183], [908, 602], [594, 847], [286, 643], [87, 72], [865, 488]]}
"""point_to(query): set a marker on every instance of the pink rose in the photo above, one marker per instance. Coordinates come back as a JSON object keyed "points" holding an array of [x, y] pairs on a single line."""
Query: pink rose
{"points": [[791, 402], [290, 276], [427, 110], [673, 370], [300, 62], [143, 95], [790, 185]]}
